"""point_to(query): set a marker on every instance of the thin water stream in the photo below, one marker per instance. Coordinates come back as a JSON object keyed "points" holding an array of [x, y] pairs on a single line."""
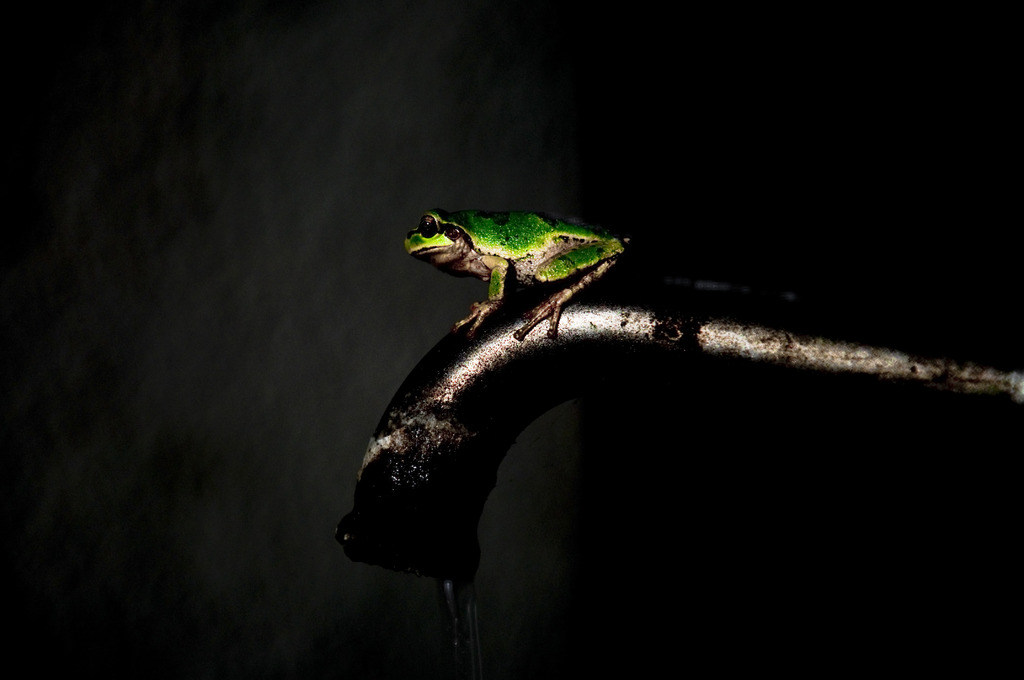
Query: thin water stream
{"points": [[458, 600]]}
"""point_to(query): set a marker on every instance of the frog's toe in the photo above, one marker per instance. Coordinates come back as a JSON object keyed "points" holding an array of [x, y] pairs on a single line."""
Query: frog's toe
{"points": [[550, 309], [478, 312]]}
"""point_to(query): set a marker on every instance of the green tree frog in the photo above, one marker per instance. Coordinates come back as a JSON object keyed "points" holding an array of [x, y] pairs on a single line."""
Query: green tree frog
{"points": [[523, 248]]}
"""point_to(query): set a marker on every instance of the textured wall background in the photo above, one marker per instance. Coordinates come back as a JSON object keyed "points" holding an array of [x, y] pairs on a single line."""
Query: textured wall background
{"points": [[206, 306]]}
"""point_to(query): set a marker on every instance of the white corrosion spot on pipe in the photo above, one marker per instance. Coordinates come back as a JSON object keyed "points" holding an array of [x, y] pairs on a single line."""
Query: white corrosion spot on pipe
{"points": [[1017, 387], [410, 431]]}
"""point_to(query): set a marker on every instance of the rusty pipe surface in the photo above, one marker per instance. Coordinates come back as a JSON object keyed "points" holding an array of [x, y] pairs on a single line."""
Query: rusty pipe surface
{"points": [[433, 459]]}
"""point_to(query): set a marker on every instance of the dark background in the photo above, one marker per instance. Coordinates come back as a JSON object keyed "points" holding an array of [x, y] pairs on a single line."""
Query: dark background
{"points": [[206, 308]]}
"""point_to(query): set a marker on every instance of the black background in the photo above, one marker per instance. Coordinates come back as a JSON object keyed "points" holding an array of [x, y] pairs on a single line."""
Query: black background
{"points": [[205, 311]]}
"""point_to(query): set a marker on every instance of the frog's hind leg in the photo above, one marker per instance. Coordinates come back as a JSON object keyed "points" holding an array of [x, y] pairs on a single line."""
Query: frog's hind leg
{"points": [[552, 307]]}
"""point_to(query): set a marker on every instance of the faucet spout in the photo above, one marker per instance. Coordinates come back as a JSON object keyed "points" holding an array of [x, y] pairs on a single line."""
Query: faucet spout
{"points": [[433, 459]]}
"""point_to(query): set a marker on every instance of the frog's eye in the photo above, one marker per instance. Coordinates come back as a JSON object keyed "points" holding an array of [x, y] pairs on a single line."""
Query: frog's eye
{"points": [[428, 226], [453, 233]]}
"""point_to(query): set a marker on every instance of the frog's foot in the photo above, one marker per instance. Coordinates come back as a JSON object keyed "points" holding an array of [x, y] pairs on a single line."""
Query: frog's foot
{"points": [[478, 311], [552, 307], [549, 309]]}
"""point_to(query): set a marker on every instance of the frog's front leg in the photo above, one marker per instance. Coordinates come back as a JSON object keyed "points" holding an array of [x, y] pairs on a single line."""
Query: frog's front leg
{"points": [[552, 307], [479, 311]]}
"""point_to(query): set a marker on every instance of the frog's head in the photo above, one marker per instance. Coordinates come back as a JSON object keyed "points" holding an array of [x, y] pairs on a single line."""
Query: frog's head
{"points": [[438, 239]]}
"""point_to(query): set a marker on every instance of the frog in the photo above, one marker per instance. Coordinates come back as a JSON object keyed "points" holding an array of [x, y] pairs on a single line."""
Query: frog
{"points": [[515, 248]]}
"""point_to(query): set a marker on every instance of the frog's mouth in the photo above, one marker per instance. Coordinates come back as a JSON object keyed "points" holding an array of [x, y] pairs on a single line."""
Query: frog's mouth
{"points": [[439, 253], [416, 243], [430, 253], [423, 251]]}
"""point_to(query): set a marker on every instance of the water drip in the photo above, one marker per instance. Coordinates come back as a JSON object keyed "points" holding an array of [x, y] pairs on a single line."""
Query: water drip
{"points": [[458, 602]]}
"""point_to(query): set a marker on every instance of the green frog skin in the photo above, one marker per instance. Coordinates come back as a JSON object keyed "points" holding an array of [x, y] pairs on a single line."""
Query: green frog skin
{"points": [[524, 248]]}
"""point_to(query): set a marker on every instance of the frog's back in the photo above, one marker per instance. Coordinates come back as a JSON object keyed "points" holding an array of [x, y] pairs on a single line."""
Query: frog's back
{"points": [[518, 232]]}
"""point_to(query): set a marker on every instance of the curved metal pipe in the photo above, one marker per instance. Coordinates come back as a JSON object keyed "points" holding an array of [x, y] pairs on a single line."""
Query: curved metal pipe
{"points": [[434, 457]]}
